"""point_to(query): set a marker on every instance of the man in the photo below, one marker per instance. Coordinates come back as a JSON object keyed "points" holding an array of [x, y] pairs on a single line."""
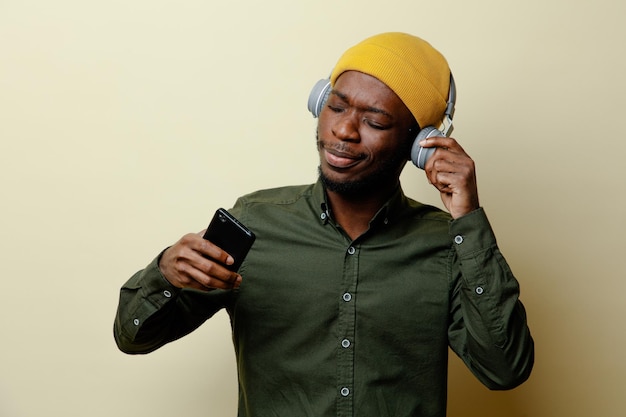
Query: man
{"points": [[352, 292]]}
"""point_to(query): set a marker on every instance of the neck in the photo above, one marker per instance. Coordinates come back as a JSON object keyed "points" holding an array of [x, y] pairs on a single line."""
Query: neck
{"points": [[354, 213]]}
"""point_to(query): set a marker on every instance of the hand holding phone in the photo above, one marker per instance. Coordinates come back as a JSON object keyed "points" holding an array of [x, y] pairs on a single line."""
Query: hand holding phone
{"points": [[230, 235]]}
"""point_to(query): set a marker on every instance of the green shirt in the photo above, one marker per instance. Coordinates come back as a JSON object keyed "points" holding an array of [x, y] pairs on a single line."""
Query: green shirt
{"points": [[328, 326]]}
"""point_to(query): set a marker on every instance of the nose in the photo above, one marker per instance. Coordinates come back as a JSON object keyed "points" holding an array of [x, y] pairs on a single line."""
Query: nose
{"points": [[346, 127]]}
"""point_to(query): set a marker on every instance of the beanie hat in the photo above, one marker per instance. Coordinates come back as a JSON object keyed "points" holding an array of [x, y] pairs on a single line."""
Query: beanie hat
{"points": [[409, 66]]}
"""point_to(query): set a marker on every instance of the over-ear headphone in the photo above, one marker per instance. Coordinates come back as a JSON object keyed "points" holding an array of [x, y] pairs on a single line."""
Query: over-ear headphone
{"points": [[419, 156]]}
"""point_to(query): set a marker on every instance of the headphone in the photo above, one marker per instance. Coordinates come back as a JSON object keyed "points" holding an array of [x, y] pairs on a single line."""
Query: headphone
{"points": [[419, 156]]}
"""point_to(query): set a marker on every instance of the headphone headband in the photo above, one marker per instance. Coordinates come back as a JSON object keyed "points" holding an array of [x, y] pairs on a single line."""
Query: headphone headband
{"points": [[450, 107]]}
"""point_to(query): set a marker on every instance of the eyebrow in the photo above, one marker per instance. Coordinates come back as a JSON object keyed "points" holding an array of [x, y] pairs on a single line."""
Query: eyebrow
{"points": [[368, 109]]}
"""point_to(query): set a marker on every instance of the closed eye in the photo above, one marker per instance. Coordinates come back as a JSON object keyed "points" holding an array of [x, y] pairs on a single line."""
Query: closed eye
{"points": [[375, 125], [336, 109]]}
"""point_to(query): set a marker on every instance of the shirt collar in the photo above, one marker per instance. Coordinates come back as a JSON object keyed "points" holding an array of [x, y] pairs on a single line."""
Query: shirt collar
{"points": [[387, 213], [391, 209]]}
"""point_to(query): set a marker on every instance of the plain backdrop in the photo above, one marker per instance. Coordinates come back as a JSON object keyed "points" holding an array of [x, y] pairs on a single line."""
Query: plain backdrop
{"points": [[125, 124]]}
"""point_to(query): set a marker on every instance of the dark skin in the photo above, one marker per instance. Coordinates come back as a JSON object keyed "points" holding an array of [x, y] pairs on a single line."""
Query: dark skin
{"points": [[363, 129], [368, 120], [363, 133]]}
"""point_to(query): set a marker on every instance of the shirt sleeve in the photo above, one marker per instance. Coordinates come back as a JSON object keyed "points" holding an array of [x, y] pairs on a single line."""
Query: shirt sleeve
{"points": [[152, 312], [488, 328]]}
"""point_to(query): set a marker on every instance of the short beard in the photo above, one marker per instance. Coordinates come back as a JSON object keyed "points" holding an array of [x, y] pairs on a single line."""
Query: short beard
{"points": [[386, 176]]}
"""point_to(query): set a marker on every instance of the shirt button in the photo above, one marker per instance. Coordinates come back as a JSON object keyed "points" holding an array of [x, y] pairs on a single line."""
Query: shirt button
{"points": [[323, 216], [347, 297], [136, 322], [351, 250], [345, 392], [167, 293], [479, 290], [345, 343], [458, 239]]}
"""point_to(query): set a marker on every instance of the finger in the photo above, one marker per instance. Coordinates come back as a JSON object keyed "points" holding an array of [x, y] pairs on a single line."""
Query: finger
{"points": [[211, 275], [453, 174], [208, 249], [441, 142], [209, 266], [188, 264], [197, 271], [440, 162], [446, 182]]}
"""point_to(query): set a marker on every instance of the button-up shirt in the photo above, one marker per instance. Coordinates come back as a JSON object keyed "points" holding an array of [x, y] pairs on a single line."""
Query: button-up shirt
{"points": [[324, 325]]}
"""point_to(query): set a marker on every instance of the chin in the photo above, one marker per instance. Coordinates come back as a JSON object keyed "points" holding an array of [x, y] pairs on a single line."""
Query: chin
{"points": [[358, 186]]}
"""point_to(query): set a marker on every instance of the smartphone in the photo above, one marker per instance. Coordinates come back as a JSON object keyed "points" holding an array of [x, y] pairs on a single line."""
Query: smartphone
{"points": [[231, 236]]}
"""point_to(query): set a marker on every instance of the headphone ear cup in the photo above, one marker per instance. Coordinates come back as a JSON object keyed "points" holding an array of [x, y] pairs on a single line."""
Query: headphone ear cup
{"points": [[420, 155], [319, 95]]}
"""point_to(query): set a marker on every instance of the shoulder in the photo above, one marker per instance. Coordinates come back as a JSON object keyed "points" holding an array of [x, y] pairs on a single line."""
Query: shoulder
{"points": [[270, 203], [278, 195], [418, 211], [285, 211]]}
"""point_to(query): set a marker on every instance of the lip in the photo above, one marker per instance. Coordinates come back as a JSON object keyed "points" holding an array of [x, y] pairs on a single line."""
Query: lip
{"points": [[340, 160]]}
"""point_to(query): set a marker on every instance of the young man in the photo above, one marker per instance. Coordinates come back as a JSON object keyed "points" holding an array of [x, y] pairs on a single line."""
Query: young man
{"points": [[352, 292]]}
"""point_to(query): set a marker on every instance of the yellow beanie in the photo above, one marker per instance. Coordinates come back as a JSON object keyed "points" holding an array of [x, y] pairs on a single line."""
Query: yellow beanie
{"points": [[410, 66]]}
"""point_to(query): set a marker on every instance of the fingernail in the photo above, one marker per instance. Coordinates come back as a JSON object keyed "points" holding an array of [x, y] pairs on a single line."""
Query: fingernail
{"points": [[230, 260]]}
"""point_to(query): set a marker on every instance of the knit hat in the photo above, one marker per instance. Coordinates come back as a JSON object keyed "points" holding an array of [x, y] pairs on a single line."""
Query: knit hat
{"points": [[409, 66]]}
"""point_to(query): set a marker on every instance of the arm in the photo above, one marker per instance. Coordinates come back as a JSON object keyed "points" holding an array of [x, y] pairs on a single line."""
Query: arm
{"points": [[488, 328], [170, 297], [141, 322]]}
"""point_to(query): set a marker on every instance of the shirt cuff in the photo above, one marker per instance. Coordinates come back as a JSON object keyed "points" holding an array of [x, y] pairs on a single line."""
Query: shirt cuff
{"points": [[153, 282], [472, 233]]}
